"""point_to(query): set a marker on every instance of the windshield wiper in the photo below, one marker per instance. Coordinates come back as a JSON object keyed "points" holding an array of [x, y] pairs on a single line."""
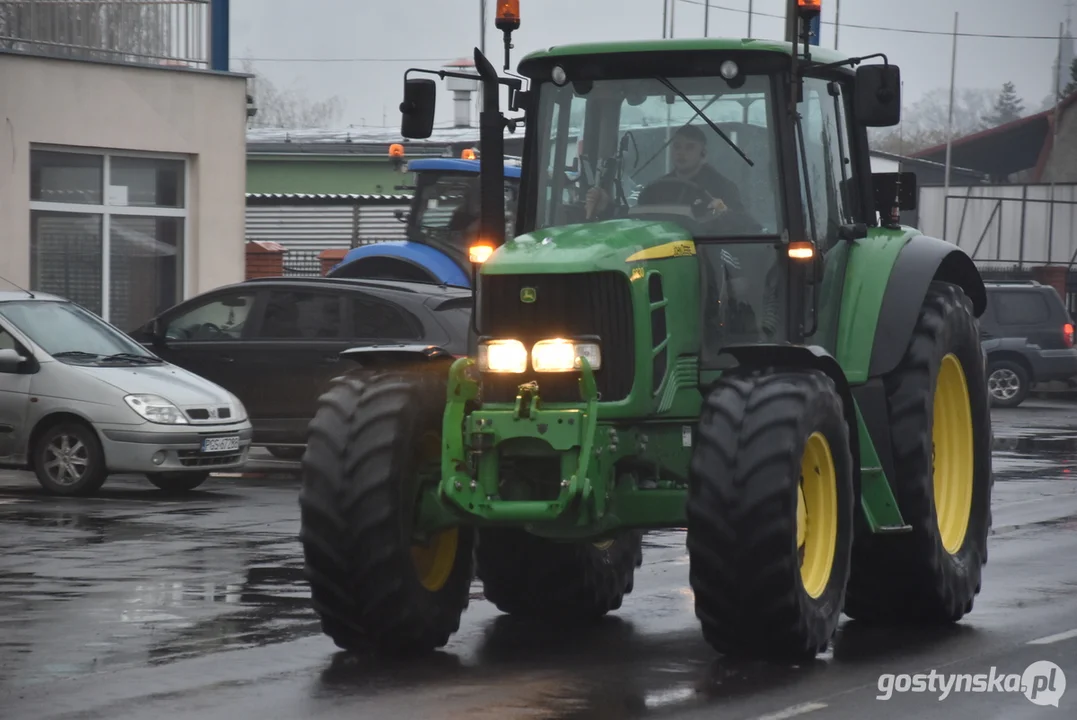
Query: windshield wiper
{"points": [[703, 115], [131, 356], [75, 354]]}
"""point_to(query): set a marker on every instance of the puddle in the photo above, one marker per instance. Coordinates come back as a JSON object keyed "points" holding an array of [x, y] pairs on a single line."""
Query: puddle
{"points": [[1037, 444]]}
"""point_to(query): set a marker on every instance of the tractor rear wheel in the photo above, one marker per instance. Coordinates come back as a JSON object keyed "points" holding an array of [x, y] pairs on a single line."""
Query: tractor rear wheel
{"points": [[532, 577], [770, 515], [376, 438], [940, 430]]}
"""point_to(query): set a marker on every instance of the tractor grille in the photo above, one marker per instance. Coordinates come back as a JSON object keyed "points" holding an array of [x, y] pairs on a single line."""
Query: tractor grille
{"points": [[598, 303]]}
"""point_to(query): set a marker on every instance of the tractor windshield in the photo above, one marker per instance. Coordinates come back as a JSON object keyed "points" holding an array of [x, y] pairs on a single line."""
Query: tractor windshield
{"points": [[447, 211], [640, 148]]}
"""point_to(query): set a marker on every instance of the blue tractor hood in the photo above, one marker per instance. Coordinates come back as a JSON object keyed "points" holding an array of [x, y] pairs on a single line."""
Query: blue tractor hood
{"points": [[434, 261]]}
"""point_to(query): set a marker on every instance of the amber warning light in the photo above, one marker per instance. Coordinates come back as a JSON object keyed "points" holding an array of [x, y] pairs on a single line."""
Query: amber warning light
{"points": [[810, 7], [396, 150], [508, 15]]}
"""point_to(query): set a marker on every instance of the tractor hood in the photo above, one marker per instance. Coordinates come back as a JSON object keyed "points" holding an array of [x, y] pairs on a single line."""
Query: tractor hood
{"points": [[608, 245]]}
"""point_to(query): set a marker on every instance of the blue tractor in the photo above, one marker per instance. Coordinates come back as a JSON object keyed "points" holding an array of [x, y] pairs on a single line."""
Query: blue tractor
{"points": [[440, 226]]}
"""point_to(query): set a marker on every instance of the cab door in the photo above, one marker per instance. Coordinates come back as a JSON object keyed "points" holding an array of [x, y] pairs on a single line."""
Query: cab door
{"points": [[834, 172], [14, 403]]}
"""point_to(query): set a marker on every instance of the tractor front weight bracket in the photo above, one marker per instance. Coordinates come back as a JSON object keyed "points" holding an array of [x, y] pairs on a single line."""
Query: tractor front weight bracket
{"points": [[470, 477]]}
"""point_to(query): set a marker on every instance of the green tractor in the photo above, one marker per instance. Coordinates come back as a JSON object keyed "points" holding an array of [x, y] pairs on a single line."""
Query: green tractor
{"points": [[786, 372]]}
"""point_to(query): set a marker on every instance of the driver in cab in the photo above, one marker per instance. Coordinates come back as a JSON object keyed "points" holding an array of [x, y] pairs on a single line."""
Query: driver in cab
{"points": [[688, 151]]}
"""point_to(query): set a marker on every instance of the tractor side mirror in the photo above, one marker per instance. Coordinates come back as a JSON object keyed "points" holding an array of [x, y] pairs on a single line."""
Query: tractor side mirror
{"points": [[878, 95], [420, 101]]}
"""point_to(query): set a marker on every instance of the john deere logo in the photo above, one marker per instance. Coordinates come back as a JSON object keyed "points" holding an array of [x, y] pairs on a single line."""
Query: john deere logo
{"points": [[528, 295]]}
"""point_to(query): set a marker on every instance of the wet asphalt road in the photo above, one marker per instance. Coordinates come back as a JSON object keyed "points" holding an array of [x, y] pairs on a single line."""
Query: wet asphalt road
{"points": [[134, 605]]}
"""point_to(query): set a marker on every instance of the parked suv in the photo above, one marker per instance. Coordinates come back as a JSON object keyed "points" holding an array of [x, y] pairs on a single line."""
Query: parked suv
{"points": [[275, 342], [1028, 336]]}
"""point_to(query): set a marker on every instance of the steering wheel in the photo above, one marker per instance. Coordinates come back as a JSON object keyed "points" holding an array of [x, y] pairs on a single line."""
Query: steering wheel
{"points": [[733, 221]]}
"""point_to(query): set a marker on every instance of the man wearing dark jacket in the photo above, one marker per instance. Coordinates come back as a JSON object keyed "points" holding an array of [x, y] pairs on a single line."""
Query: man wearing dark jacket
{"points": [[689, 152]]}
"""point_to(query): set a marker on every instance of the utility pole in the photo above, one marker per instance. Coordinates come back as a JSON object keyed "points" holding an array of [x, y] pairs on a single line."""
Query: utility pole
{"points": [[950, 134], [482, 45], [672, 16], [837, 21], [665, 19], [706, 18], [750, 2]]}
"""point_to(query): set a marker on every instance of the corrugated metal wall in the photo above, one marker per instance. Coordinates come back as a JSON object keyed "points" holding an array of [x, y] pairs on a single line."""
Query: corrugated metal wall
{"points": [[322, 227], [1006, 224]]}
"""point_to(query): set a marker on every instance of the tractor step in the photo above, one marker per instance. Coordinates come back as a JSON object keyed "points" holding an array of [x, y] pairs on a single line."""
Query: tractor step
{"points": [[893, 529]]}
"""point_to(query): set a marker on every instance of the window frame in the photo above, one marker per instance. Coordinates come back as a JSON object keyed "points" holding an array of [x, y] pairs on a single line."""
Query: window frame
{"points": [[410, 318], [107, 211]]}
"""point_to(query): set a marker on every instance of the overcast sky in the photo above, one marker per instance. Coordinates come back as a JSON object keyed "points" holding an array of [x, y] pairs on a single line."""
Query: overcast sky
{"points": [[317, 46]]}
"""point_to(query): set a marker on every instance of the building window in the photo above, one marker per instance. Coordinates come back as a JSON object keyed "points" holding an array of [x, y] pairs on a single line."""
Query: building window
{"points": [[107, 230]]}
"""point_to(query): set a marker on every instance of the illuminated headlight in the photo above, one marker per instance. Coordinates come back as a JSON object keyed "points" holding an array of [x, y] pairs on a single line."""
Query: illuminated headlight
{"points": [[503, 356], [560, 355], [156, 409]]}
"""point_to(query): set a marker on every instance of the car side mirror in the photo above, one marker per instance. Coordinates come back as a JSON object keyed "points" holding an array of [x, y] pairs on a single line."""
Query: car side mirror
{"points": [[877, 99], [420, 101], [11, 361]]}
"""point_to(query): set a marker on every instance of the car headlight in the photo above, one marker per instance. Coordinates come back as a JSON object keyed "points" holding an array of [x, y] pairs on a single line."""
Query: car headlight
{"points": [[502, 356], [239, 409], [156, 409], [560, 355]]}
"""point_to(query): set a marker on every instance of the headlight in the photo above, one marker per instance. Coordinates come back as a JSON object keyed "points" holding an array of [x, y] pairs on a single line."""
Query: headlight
{"points": [[560, 355], [156, 409], [240, 413], [503, 356]]}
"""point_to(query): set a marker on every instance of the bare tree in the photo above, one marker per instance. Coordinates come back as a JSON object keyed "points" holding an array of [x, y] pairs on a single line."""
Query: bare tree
{"points": [[924, 123], [277, 108]]}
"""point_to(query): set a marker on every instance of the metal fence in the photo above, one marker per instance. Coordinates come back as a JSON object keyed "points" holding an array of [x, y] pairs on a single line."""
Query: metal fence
{"points": [[162, 32], [302, 263]]}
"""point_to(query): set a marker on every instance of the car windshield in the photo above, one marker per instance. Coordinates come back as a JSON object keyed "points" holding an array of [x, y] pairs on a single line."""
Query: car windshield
{"points": [[68, 332], [448, 208], [696, 151]]}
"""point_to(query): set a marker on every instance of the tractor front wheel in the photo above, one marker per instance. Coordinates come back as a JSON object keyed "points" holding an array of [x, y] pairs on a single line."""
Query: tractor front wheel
{"points": [[532, 577], [770, 515], [940, 429], [374, 442]]}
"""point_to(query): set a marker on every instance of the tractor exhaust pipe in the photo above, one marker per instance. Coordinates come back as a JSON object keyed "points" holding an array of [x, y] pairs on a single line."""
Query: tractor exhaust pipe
{"points": [[492, 160]]}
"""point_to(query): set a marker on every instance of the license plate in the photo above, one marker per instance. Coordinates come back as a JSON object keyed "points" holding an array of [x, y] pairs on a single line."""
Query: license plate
{"points": [[220, 444]]}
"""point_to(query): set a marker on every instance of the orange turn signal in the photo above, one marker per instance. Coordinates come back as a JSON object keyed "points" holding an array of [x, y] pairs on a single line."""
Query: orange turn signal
{"points": [[810, 7], [468, 154], [479, 253], [801, 250], [396, 150]]}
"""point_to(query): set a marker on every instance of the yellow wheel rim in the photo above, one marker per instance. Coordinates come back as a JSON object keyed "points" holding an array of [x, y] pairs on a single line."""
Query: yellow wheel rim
{"points": [[434, 561], [817, 515], [952, 454]]}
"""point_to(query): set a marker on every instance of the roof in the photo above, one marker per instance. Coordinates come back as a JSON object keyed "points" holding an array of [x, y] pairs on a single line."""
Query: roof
{"points": [[819, 54], [1012, 147], [356, 139], [13, 295], [909, 160], [400, 286], [324, 199], [458, 165]]}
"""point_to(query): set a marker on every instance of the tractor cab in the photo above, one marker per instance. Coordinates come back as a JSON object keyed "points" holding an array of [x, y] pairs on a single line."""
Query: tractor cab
{"points": [[440, 225]]}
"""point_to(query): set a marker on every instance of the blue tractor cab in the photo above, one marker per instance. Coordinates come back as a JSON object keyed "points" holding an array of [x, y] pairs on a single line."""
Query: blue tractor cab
{"points": [[444, 213]]}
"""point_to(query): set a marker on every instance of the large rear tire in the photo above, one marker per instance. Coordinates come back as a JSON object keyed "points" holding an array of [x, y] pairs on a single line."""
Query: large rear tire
{"points": [[532, 577], [940, 429], [770, 515], [375, 439]]}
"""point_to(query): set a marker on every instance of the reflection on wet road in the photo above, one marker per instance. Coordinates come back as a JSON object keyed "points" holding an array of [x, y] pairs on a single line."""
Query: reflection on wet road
{"points": [[135, 605]]}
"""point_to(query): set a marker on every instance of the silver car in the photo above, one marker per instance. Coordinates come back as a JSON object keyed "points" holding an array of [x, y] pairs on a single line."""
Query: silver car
{"points": [[80, 400]]}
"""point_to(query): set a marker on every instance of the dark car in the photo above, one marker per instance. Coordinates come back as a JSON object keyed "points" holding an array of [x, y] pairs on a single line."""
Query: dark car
{"points": [[1028, 336], [276, 342]]}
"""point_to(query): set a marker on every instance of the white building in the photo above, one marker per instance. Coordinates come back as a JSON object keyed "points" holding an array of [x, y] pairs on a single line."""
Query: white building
{"points": [[122, 180]]}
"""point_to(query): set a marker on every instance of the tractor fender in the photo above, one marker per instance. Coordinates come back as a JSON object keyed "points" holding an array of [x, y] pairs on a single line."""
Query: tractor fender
{"points": [[921, 261], [435, 263], [797, 357]]}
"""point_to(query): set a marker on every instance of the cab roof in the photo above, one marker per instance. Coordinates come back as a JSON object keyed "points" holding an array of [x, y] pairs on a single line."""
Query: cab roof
{"points": [[818, 53], [512, 170]]}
